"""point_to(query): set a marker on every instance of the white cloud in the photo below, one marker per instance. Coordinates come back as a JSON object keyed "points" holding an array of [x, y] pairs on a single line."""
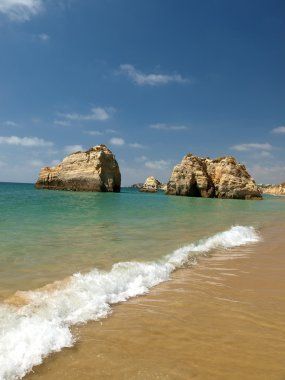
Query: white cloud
{"points": [[262, 154], [20, 10], [68, 149], [117, 141], [10, 123], [252, 146], [100, 133], [160, 164], [143, 79], [96, 114], [136, 145], [24, 141], [279, 130], [167, 127], [62, 123], [2, 164]]}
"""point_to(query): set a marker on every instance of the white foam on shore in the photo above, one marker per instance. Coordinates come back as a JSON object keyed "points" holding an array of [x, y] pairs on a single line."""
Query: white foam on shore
{"points": [[42, 326]]}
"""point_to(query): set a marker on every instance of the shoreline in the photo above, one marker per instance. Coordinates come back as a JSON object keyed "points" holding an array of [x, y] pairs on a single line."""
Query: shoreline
{"points": [[215, 305]]}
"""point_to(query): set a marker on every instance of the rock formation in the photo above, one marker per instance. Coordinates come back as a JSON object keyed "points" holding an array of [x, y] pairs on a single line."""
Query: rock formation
{"points": [[137, 185], [93, 170], [223, 177], [151, 185], [163, 186], [273, 189]]}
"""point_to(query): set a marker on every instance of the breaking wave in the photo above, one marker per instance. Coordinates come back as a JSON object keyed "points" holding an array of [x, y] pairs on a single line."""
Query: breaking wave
{"points": [[41, 324]]}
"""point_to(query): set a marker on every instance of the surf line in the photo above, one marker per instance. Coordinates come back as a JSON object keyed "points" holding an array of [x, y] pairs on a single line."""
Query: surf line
{"points": [[31, 332]]}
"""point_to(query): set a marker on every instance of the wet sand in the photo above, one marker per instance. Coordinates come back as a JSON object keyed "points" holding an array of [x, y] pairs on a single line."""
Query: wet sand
{"points": [[223, 318]]}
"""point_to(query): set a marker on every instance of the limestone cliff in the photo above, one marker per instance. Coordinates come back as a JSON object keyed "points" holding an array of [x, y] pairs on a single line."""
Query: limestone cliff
{"points": [[223, 177], [93, 170], [274, 189]]}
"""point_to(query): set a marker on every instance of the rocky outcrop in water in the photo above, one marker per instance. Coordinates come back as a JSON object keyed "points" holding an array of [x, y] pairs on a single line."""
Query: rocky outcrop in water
{"points": [[273, 189], [223, 177], [93, 170], [151, 185], [137, 185]]}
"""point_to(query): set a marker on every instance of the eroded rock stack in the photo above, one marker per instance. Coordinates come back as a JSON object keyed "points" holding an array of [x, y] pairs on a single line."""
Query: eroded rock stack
{"points": [[223, 177], [93, 170]]}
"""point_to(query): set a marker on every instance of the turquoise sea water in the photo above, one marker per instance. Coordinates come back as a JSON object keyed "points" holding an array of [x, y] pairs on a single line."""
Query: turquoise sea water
{"points": [[48, 235], [101, 248]]}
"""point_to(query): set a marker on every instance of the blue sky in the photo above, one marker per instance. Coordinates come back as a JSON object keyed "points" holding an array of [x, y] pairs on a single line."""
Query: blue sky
{"points": [[151, 79]]}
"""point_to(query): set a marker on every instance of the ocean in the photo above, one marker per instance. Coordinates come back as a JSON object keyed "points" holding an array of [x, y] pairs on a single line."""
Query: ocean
{"points": [[137, 285]]}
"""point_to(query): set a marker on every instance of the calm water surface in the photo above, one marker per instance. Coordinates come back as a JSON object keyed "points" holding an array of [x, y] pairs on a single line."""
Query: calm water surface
{"points": [[47, 235]]}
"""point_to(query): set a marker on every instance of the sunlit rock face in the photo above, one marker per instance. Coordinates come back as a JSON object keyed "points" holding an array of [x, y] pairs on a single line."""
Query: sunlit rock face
{"points": [[223, 177], [93, 170], [151, 185]]}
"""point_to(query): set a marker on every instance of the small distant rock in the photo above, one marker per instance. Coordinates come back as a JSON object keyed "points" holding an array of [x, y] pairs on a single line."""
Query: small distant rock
{"points": [[93, 170], [223, 177], [273, 189], [137, 186], [151, 185]]}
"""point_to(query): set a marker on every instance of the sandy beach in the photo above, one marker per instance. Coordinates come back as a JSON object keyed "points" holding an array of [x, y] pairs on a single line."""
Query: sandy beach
{"points": [[220, 319]]}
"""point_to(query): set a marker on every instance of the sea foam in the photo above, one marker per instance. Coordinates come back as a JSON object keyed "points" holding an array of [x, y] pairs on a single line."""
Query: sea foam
{"points": [[41, 326]]}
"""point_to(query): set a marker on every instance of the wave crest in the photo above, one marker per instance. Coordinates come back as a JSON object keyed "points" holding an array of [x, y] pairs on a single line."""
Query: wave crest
{"points": [[41, 326]]}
